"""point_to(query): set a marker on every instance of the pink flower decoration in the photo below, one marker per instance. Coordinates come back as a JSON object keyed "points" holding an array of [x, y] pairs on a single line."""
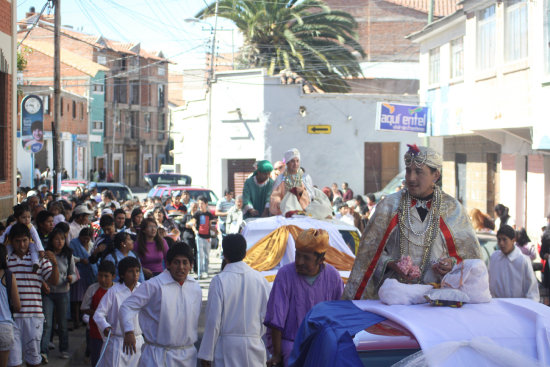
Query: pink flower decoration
{"points": [[408, 268]]}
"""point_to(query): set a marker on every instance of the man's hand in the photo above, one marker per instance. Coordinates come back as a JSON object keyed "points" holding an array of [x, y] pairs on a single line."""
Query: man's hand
{"points": [[443, 266], [100, 248], [106, 331], [69, 278], [129, 346], [253, 212], [275, 360], [206, 363], [84, 261], [147, 273], [51, 257], [45, 288]]}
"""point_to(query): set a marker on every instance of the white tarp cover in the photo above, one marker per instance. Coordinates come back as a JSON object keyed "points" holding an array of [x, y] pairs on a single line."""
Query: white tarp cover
{"points": [[257, 229], [517, 326]]}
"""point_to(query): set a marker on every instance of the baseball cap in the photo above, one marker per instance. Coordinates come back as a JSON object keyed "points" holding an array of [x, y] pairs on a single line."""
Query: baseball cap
{"points": [[82, 209]]}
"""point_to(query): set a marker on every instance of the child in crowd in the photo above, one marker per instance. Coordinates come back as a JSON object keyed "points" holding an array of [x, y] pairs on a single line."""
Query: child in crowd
{"points": [[511, 274], [106, 316], [57, 300], [90, 302], [123, 245], [22, 214], [29, 320], [81, 246], [103, 244], [56, 208]]}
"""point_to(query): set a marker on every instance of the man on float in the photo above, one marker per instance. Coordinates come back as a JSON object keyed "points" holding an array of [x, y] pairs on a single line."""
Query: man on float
{"points": [[420, 221], [293, 191]]}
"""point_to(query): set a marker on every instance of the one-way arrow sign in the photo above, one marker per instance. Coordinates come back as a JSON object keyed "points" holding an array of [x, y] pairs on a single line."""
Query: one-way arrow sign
{"points": [[319, 129]]}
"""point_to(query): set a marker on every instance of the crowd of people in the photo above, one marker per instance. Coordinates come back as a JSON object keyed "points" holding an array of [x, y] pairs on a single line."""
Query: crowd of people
{"points": [[123, 269]]}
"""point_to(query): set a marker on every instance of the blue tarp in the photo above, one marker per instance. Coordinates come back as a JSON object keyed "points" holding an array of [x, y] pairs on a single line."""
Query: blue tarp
{"points": [[324, 338]]}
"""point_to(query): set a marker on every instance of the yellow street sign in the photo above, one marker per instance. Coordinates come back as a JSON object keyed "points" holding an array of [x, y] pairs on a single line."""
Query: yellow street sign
{"points": [[318, 129]]}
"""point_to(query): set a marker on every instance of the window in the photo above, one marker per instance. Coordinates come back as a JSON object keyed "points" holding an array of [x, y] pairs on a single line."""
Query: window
{"points": [[134, 124], [61, 106], [134, 92], [98, 88], [101, 59], [46, 103], [161, 95], [515, 46], [434, 66], [97, 126], [161, 125], [74, 110], [457, 58], [147, 120], [82, 110], [161, 70], [486, 38], [120, 90]]}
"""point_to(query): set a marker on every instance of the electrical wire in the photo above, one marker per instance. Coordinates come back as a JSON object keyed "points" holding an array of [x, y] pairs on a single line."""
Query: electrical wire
{"points": [[34, 24]]}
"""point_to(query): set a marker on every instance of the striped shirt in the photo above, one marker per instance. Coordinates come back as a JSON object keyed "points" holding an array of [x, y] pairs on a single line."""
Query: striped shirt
{"points": [[223, 206], [29, 283]]}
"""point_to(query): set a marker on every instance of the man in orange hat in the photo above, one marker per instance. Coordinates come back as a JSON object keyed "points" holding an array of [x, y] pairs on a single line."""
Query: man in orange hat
{"points": [[297, 288]]}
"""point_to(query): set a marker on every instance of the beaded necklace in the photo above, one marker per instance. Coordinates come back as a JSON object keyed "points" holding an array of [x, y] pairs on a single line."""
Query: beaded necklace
{"points": [[429, 233], [294, 180]]}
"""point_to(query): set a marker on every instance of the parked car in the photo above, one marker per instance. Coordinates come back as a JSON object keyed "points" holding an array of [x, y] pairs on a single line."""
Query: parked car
{"points": [[120, 191], [163, 191], [68, 187], [167, 179]]}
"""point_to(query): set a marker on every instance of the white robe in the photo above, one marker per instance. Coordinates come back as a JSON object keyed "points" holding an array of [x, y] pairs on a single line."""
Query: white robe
{"points": [[106, 316], [512, 276], [169, 318], [237, 301]]}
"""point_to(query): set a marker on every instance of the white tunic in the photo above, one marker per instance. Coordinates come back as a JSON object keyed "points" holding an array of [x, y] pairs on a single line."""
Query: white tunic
{"points": [[512, 276], [106, 316], [168, 317], [237, 301]]}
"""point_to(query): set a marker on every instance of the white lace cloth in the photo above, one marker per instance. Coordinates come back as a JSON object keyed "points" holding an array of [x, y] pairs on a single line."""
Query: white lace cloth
{"points": [[516, 331]]}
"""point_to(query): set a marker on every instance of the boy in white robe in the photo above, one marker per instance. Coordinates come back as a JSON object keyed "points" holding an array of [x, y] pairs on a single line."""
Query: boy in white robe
{"points": [[106, 316], [169, 307], [511, 274], [237, 302]]}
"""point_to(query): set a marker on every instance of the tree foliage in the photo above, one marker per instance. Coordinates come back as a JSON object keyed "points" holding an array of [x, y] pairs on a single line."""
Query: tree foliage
{"points": [[305, 37]]}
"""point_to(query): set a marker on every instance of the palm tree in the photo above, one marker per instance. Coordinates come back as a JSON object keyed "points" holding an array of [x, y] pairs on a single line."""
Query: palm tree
{"points": [[304, 37]]}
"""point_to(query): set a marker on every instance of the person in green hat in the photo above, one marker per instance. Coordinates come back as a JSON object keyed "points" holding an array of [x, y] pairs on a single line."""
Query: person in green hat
{"points": [[257, 191]]}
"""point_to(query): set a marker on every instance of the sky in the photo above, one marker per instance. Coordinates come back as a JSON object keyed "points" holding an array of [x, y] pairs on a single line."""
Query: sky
{"points": [[157, 24]]}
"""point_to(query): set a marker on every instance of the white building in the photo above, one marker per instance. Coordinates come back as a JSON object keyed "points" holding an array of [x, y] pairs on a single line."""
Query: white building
{"points": [[254, 117], [485, 72]]}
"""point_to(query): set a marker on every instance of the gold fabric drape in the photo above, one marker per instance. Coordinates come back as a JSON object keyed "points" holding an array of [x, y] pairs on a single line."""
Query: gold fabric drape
{"points": [[269, 251]]}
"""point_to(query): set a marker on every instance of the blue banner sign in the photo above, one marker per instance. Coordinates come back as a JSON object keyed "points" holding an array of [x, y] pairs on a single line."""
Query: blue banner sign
{"points": [[399, 117], [32, 123]]}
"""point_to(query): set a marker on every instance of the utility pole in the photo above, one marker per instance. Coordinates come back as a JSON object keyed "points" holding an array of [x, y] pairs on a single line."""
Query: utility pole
{"points": [[210, 80], [431, 12], [56, 96]]}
